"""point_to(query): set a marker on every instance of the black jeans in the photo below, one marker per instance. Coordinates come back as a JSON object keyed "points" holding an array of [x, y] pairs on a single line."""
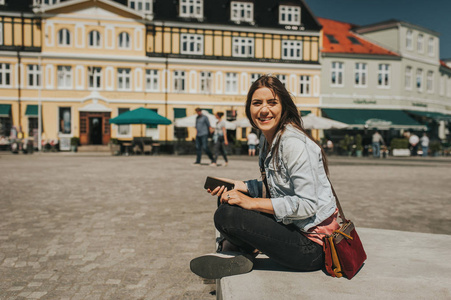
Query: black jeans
{"points": [[220, 149], [250, 230]]}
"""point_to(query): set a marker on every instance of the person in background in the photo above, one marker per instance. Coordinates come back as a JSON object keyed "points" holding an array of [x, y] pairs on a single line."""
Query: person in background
{"points": [[220, 139], [377, 140], [203, 130], [424, 140], [252, 142], [413, 141]]}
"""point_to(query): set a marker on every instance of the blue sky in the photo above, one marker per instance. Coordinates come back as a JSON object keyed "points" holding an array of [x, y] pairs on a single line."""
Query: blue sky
{"points": [[431, 14]]}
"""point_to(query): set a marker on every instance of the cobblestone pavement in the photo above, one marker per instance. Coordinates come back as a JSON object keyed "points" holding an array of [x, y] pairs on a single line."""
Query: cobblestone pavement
{"points": [[89, 226]]}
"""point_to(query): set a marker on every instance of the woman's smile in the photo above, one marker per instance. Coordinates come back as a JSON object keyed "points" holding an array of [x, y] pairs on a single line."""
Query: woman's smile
{"points": [[266, 111]]}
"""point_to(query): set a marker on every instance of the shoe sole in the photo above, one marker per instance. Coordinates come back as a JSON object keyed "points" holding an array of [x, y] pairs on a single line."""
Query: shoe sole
{"points": [[216, 267]]}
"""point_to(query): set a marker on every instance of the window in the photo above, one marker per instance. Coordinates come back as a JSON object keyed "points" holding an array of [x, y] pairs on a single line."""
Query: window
{"points": [[141, 5], [336, 78], [192, 44], [420, 41], [430, 82], [1, 34], [5, 75], [94, 39], [191, 8], [292, 50], [34, 75], [289, 15], [448, 88], [360, 74], [231, 115], [2, 2], [282, 78], [431, 46], [64, 37], [124, 40], [152, 80], [243, 47], [409, 39], [95, 77], [205, 82], [242, 12], [123, 79], [254, 77], [231, 84], [179, 81], [354, 41], [65, 120], [383, 75], [442, 86], [332, 39], [123, 129], [304, 87], [408, 78], [44, 2], [64, 75], [419, 79], [32, 125]]}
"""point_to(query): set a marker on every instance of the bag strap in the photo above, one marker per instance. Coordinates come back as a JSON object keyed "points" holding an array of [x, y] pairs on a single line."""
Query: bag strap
{"points": [[340, 210], [265, 189]]}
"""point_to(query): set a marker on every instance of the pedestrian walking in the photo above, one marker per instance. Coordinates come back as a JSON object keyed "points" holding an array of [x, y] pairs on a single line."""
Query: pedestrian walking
{"points": [[203, 129], [377, 140], [294, 197], [424, 140], [252, 142], [413, 141], [220, 139]]}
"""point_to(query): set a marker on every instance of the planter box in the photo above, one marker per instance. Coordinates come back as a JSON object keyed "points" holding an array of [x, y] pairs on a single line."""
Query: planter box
{"points": [[401, 152]]}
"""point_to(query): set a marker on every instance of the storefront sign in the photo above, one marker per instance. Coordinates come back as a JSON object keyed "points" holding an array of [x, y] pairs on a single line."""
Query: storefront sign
{"points": [[419, 104], [364, 101]]}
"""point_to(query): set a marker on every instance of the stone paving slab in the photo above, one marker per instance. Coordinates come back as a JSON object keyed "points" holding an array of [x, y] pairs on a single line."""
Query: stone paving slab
{"points": [[89, 226]]}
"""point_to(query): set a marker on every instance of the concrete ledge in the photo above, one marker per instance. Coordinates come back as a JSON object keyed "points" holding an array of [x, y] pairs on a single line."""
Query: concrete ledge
{"points": [[400, 265]]}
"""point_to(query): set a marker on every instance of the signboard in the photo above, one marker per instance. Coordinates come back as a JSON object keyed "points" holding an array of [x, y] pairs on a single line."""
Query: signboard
{"points": [[65, 144]]}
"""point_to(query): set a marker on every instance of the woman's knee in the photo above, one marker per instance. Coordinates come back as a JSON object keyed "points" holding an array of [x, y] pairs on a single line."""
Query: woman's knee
{"points": [[225, 215]]}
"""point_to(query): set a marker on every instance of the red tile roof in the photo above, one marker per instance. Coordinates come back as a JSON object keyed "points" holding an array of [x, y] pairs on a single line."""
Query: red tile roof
{"points": [[342, 32], [444, 64]]}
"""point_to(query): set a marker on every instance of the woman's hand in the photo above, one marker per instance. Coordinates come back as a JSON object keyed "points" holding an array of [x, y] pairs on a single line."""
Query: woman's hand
{"points": [[235, 197]]}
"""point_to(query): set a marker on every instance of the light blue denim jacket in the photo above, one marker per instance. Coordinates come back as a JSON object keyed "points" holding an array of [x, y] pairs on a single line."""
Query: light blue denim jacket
{"points": [[300, 191]]}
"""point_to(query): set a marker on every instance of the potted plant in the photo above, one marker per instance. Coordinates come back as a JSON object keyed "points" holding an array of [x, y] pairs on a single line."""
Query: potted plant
{"points": [[400, 147], [237, 147], [115, 147], [358, 145], [74, 142], [346, 145], [436, 148]]}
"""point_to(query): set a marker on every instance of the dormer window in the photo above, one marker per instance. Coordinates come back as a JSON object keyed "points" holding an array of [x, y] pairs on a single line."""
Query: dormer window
{"points": [[289, 15], [242, 11], [191, 8], [45, 2], [141, 5]]}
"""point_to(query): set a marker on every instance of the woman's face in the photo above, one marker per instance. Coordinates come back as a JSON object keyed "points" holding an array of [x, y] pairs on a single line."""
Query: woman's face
{"points": [[266, 111]]}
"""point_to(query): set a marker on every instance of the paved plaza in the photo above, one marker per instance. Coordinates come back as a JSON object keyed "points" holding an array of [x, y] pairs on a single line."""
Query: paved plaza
{"points": [[92, 226]]}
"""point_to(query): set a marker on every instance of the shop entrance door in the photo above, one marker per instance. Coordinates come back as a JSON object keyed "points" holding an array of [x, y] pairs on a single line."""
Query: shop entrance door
{"points": [[95, 131]]}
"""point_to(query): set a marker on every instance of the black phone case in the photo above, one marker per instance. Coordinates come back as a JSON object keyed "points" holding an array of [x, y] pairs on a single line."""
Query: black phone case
{"points": [[211, 183]]}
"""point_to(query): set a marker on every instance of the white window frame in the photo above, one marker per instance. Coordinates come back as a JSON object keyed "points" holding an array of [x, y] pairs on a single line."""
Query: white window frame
{"points": [[282, 78], [442, 85], [192, 44], [430, 82], [360, 74], [292, 49], [231, 83], [152, 80], [191, 8], [61, 118], [34, 76], [431, 47], [94, 76], [94, 39], [337, 72], [409, 39], [124, 41], [205, 82], [179, 83], [45, 2], [1, 33], [408, 78], [419, 79], [383, 76], [241, 11], [254, 77], [123, 128], [124, 79], [64, 37], [305, 85], [420, 43], [64, 77], [5, 72], [243, 47], [289, 15], [145, 6]]}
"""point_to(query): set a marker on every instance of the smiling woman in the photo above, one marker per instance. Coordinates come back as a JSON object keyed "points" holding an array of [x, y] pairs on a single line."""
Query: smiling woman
{"points": [[285, 214]]}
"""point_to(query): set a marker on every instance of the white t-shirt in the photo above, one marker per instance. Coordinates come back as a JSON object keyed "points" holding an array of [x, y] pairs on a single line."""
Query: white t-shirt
{"points": [[252, 139]]}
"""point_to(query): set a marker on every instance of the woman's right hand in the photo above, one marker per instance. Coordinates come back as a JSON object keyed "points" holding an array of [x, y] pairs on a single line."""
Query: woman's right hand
{"points": [[218, 191]]}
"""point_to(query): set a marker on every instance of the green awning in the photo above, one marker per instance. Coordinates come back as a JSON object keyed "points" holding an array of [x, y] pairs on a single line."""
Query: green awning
{"points": [[32, 110], [373, 118], [429, 114], [5, 110], [305, 112], [210, 110], [179, 113]]}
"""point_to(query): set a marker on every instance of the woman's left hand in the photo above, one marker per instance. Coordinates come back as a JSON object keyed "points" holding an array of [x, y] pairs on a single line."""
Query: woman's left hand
{"points": [[235, 197]]}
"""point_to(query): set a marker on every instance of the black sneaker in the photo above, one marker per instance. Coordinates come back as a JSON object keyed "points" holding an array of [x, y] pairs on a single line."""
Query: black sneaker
{"points": [[218, 265]]}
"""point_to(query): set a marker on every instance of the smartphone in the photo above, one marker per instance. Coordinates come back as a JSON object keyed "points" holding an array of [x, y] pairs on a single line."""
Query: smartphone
{"points": [[213, 182]]}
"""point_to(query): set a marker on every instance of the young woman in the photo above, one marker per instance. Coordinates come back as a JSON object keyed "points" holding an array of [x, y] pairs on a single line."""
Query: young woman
{"points": [[278, 216], [220, 138]]}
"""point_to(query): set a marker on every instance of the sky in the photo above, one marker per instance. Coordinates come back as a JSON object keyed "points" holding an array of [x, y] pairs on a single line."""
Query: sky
{"points": [[431, 14]]}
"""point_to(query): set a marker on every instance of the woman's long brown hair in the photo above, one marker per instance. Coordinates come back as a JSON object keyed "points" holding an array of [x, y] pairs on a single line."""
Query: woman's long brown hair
{"points": [[290, 113]]}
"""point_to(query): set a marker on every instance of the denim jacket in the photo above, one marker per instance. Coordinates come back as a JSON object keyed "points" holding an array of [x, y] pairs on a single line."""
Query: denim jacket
{"points": [[300, 191]]}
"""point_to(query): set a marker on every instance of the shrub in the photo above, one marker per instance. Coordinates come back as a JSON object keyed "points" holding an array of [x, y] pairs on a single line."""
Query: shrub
{"points": [[399, 143]]}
